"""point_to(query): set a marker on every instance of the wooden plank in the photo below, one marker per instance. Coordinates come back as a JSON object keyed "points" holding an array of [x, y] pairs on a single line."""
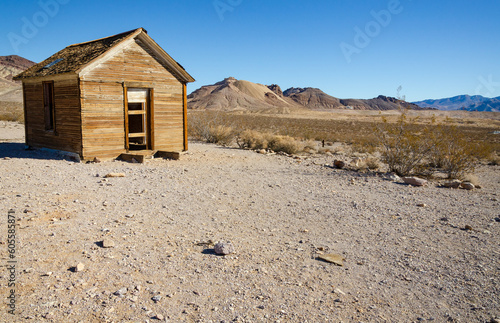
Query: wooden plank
{"points": [[185, 116], [125, 104], [136, 134], [26, 124], [151, 121], [131, 112]]}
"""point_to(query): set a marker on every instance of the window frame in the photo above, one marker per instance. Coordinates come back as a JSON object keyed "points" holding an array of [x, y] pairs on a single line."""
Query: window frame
{"points": [[49, 109]]}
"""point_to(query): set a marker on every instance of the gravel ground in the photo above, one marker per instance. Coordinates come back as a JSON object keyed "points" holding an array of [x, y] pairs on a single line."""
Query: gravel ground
{"points": [[411, 253]]}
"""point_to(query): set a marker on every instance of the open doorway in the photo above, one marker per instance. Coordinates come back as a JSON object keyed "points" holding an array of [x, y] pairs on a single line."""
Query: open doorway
{"points": [[138, 120]]}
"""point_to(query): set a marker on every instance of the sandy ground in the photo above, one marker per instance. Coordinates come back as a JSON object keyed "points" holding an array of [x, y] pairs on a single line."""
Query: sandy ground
{"points": [[403, 262]]}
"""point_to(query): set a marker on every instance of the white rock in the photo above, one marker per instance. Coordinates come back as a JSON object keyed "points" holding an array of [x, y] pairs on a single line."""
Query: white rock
{"points": [[224, 248], [415, 181], [79, 267], [467, 185]]}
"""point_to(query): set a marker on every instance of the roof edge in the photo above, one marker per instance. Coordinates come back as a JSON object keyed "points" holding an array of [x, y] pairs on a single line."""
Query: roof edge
{"points": [[168, 60], [133, 34]]}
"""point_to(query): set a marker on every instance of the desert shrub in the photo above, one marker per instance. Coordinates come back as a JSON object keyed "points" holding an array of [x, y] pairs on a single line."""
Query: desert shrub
{"points": [[405, 145], [221, 135], [252, 139], [409, 147], [372, 163], [211, 128], [11, 111], [455, 153], [284, 144]]}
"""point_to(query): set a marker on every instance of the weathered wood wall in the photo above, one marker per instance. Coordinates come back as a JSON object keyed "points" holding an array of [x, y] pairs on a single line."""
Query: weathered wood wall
{"points": [[102, 100], [67, 134]]}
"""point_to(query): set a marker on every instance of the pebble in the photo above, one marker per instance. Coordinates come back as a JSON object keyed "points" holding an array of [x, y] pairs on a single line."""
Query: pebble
{"points": [[224, 248], [121, 291], [79, 267], [108, 243], [338, 291], [467, 186], [415, 181], [332, 258], [453, 184], [156, 298]]}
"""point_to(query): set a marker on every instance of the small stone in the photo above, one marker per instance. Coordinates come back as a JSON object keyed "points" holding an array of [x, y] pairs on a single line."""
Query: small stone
{"points": [[422, 205], [121, 291], [467, 186], [159, 317], [114, 175], [156, 298], [338, 291], [96, 160], [468, 228], [108, 243], [453, 184], [48, 274], [224, 248], [393, 177], [79, 267], [497, 219], [339, 164], [414, 181], [262, 151], [332, 258]]}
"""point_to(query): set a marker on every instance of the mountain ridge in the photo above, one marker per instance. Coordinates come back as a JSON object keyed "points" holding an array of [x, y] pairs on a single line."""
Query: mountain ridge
{"points": [[231, 94], [463, 102]]}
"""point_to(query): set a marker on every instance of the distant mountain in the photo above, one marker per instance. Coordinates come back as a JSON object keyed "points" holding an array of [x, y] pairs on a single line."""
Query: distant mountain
{"points": [[464, 102], [313, 98], [238, 95], [233, 95], [11, 66]]}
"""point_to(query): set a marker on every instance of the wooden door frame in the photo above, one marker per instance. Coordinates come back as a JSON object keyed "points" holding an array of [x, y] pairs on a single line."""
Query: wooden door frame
{"points": [[149, 108]]}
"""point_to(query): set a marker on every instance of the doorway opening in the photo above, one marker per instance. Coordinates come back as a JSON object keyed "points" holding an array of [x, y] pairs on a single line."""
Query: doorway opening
{"points": [[138, 120]]}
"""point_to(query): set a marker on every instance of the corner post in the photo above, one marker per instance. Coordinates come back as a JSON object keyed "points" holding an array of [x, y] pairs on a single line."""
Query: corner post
{"points": [[184, 103]]}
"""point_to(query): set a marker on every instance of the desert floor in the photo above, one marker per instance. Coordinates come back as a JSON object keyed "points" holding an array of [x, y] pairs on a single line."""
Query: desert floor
{"points": [[411, 253]]}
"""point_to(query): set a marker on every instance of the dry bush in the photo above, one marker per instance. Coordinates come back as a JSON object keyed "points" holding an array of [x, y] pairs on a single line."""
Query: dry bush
{"points": [[410, 147], [221, 135], [284, 144], [211, 128], [405, 146], [11, 111], [373, 163], [251, 139], [455, 153]]}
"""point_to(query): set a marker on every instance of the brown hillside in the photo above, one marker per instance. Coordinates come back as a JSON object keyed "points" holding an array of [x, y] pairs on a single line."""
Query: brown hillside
{"points": [[10, 66], [239, 95]]}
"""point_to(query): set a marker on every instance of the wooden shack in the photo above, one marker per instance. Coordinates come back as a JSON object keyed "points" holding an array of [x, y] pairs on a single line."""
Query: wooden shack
{"points": [[117, 96]]}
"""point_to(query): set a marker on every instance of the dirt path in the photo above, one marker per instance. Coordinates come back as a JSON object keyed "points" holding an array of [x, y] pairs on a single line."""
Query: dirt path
{"points": [[403, 262]]}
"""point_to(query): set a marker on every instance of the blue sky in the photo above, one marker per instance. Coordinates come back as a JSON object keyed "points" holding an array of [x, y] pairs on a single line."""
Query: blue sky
{"points": [[347, 48]]}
